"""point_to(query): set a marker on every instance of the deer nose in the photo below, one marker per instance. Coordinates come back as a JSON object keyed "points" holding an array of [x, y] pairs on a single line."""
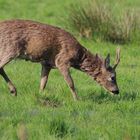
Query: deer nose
{"points": [[115, 91]]}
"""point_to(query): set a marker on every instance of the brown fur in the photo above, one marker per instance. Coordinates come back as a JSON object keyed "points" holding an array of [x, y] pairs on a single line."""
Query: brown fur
{"points": [[49, 45]]}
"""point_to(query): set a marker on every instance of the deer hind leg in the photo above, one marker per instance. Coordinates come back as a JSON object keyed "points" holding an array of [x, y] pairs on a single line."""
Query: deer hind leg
{"points": [[44, 76], [4, 59], [9, 83], [64, 70]]}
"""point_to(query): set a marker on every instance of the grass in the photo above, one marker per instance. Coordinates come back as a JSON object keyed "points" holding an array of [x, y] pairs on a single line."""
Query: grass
{"points": [[53, 114]]}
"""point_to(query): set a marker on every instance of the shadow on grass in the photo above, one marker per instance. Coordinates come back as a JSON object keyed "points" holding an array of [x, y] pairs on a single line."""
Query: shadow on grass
{"points": [[49, 101], [106, 97], [58, 128]]}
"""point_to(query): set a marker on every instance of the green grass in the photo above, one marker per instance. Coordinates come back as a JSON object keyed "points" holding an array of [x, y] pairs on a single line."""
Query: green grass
{"points": [[53, 114]]}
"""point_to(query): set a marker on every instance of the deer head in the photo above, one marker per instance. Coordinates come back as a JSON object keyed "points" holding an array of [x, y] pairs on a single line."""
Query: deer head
{"points": [[107, 75]]}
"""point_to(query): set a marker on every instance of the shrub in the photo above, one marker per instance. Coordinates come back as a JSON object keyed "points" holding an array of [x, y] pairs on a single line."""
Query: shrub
{"points": [[98, 19], [123, 30]]}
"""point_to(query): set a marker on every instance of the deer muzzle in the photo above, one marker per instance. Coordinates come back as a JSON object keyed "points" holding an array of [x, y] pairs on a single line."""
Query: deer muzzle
{"points": [[115, 92]]}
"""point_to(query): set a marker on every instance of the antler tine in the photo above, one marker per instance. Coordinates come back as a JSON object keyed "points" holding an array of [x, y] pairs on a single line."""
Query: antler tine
{"points": [[117, 58]]}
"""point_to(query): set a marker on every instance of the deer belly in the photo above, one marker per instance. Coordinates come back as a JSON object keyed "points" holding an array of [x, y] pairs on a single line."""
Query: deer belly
{"points": [[43, 57]]}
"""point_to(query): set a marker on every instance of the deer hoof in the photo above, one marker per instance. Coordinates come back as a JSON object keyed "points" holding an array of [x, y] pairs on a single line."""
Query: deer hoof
{"points": [[13, 92], [76, 98]]}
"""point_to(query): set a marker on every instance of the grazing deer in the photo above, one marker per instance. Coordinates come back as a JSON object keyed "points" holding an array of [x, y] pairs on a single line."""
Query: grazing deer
{"points": [[53, 48]]}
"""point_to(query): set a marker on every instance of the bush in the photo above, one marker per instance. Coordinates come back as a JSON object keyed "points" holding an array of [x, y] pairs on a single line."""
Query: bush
{"points": [[123, 30], [97, 19]]}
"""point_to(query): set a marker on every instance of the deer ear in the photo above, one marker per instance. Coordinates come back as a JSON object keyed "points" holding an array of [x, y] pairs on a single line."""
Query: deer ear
{"points": [[107, 61]]}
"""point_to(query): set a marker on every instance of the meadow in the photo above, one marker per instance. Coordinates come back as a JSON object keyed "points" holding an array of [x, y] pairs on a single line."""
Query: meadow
{"points": [[52, 114]]}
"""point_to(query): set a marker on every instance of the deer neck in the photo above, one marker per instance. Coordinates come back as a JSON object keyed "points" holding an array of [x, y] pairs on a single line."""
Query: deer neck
{"points": [[90, 64]]}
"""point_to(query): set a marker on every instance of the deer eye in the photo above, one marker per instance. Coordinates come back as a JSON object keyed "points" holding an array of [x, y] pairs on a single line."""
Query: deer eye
{"points": [[113, 78]]}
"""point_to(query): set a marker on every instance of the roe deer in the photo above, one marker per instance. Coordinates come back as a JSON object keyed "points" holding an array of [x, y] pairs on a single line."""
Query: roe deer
{"points": [[53, 48]]}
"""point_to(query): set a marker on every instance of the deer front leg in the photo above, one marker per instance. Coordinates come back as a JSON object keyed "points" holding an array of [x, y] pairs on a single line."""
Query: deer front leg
{"points": [[10, 84], [65, 72], [44, 76]]}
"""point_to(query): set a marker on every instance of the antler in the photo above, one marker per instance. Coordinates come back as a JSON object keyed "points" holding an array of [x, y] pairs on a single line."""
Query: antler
{"points": [[117, 58]]}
